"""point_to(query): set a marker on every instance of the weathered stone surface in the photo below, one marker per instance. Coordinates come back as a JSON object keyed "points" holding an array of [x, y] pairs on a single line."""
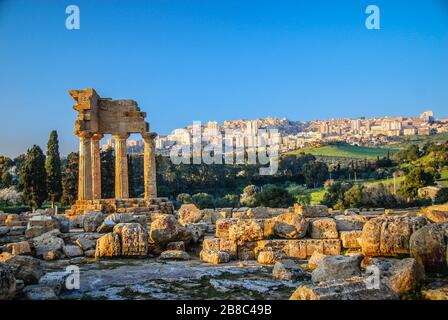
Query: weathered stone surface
{"points": [[337, 268], [311, 211], [34, 232], [290, 226], [350, 239], [48, 242], [389, 236], [85, 244], [195, 231], [287, 269], [438, 213], [106, 226], [269, 256], [315, 260], [223, 225], [323, 228], [48, 223], [72, 251], [189, 213], [214, 257], [246, 231], [229, 246], [165, 229], [350, 289], [211, 244], [7, 283], [4, 230], [12, 220], [18, 248], [54, 280], [176, 245], [350, 222], [428, 246], [108, 246], [92, 221], [64, 223], [402, 276], [174, 255], [90, 253], [134, 239], [38, 292], [436, 291], [26, 268], [246, 251], [17, 231]]}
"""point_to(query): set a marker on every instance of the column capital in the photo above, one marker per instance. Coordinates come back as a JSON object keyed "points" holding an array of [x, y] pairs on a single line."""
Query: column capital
{"points": [[97, 136], [149, 136], [84, 134], [121, 136]]}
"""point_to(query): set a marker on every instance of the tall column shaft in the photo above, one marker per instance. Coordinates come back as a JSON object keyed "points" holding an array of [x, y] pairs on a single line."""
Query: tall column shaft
{"points": [[121, 167], [149, 169], [96, 166], [85, 168]]}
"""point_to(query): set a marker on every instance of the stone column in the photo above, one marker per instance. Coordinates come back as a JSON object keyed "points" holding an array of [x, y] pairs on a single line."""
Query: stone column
{"points": [[85, 167], [149, 166], [121, 167], [96, 166]]}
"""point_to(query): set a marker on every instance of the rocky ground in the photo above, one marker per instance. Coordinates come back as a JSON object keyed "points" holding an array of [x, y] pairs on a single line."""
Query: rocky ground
{"points": [[151, 278]]}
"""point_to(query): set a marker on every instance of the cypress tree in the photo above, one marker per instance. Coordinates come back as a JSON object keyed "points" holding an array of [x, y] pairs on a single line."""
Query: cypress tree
{"points": [[33, 177], [70, 180], [107, 174], [53, 169]]}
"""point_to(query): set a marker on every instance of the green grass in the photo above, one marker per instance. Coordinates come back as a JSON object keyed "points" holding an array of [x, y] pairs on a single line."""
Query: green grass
{"points": [[403, 142], [444, 177], [345, 151]]}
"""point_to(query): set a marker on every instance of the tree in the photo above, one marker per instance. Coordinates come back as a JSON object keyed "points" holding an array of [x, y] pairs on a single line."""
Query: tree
{"points": [[275, 197], [441, 196], [315, 173], [53, 169], [183, 198], [249, 196], [131, 177], [416, 179], [107, 174], [33, 177], [70, 179], [353, 196], [5, 175], [203, 200]]}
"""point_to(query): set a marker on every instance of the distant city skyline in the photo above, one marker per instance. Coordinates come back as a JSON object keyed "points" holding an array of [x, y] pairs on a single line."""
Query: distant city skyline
{"points": [[218, 60]]}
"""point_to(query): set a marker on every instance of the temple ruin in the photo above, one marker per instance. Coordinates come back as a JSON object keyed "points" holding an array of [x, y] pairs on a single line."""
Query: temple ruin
{"points": [[99, 116]]}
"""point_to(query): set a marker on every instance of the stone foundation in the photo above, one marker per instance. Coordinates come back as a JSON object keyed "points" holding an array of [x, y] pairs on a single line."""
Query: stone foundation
{"points": [[136, 205]]}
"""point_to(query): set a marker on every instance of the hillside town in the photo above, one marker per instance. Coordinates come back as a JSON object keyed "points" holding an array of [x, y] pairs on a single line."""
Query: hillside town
{"points": [[295, 135]]}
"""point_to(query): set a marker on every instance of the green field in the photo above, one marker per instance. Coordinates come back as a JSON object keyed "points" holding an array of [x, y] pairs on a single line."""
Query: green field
{"points": [[345, 151], [444, 177], [403, 142]]}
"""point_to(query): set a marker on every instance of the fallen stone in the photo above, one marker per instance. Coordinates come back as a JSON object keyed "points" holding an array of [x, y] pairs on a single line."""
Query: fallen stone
{"points": [[54, 280], [108, 246], [189, 213], [38, 292], [437, 213], [389, 236], [174, 255], [165, 229], [290, 226], [72, 251], [85, 244], [311, 211], [134, 239], [48, 242], [19, 248], [223, 226], [350, 223], [428, 246], [7, 283], [246, 230], [269, 256], [351, 289], [337, 268], [176, 245], [26, 268], [315, 260], [92, 221], [350, 239], [287, 269], [214, 257], [323, 228]]}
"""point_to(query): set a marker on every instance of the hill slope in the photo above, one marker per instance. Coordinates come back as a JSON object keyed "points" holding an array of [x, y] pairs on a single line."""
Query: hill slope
{"points": [[345, 151]]}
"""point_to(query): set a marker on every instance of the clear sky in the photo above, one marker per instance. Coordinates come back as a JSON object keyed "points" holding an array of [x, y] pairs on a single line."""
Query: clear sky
{"points": [[205, 60]]}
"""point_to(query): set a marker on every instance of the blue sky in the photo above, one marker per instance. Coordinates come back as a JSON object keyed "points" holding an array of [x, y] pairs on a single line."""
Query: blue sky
{"points": [[205, 60]]}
